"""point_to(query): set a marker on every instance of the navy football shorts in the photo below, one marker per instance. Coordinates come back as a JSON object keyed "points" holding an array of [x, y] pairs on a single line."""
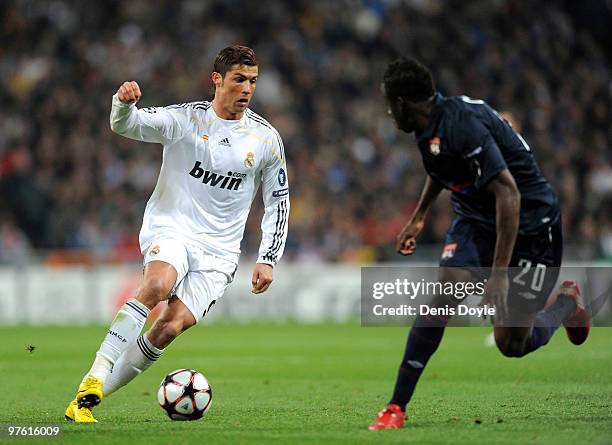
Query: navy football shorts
{"points": [[535, 263]]}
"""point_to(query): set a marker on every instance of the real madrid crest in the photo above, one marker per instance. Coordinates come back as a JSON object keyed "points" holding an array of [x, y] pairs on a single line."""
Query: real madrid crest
{"points": [[250, 160], [434, 146]]}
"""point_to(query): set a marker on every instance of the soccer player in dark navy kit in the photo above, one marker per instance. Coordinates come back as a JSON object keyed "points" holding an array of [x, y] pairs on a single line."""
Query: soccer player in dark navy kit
{"points": [[507, 225]]}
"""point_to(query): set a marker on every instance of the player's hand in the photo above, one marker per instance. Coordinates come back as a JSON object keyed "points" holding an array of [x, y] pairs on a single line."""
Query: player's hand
{"points": [[262, 278], [129, 92], [406, 240], [496, 293]]}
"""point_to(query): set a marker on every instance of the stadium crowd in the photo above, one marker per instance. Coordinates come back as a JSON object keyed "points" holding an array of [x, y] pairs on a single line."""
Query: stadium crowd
{"points": [[66, 181]]}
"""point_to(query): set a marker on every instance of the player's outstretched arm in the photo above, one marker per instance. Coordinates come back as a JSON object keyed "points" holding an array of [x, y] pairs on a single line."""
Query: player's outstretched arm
{"points": [[158, 124], [406, 240], [507, 216]]}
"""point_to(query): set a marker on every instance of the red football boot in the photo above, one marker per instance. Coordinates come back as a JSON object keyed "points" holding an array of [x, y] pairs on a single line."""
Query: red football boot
{"points": [[390, 418], [578, 324]]}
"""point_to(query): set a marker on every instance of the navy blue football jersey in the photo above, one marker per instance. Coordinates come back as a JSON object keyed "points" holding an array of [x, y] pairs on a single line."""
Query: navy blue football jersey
{"points": [[465, 145]]}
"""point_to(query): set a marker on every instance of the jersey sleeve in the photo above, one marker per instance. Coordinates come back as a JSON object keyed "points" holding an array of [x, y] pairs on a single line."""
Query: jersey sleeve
{"points": [[479, 148], [276, 204], [154, 124]]}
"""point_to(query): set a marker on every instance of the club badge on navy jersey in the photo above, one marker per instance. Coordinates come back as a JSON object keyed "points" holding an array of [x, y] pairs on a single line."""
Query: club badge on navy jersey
{"points": [[250, 160], [449, 251], [434, 146]]}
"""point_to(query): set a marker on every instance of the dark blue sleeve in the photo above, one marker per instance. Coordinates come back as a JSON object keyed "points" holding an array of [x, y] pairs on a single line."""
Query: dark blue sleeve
{"points": [[476, 144]]}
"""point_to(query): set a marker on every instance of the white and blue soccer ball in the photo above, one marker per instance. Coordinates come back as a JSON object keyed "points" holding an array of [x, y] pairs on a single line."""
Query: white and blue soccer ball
{"points": [[185, 394]]}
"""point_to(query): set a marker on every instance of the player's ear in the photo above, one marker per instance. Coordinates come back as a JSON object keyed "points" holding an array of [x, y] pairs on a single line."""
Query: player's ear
{"points": [[216, 78], [401, 103]]}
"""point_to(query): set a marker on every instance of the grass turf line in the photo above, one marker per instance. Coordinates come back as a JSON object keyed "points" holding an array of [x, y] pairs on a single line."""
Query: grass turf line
{"points": [[319, 384]]}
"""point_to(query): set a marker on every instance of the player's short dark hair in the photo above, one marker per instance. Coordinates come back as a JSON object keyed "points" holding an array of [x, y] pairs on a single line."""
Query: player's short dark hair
{"points": [[408, 78], [234, 55]]}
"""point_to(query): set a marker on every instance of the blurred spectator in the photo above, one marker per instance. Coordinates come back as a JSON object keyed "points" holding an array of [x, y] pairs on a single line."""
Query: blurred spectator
{"points": [[23, 194], [14, 245], [70, 183]]}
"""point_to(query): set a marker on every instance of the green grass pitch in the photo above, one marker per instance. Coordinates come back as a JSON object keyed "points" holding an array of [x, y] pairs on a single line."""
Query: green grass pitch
{"points": [[319, 384]]}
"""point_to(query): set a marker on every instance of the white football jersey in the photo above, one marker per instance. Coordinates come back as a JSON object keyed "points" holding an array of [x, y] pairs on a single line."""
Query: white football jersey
{"points": [[210, 173]]}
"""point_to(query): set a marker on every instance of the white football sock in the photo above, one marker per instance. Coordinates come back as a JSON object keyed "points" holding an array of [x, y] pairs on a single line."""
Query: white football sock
{"points": [[133, 362], [123, 331]]}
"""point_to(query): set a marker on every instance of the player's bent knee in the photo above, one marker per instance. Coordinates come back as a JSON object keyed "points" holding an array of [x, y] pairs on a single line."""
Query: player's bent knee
{"points": [[511, 347], [152, 291]]}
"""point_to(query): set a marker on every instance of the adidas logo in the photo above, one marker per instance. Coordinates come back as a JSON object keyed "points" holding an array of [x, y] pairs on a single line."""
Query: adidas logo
{"points": [[225, 142]]}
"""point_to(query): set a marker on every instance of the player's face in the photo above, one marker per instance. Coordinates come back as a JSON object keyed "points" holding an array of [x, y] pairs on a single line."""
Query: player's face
{"points": [[404, 118], [235, 90]]}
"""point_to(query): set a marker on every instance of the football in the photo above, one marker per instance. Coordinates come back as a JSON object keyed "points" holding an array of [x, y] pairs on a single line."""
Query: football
{"points": [[185, 394]]}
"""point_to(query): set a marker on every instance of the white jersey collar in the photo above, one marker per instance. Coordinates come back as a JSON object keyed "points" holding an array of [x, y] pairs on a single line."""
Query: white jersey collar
{"points": [[229, 122]]}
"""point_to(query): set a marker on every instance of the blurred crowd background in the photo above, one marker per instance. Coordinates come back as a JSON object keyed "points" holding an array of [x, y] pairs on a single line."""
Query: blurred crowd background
{"points": [[69, 185]]}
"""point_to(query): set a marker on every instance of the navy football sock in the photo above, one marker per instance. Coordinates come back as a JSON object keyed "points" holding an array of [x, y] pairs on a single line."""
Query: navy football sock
{"points": [[548, 320], [423, 340]]}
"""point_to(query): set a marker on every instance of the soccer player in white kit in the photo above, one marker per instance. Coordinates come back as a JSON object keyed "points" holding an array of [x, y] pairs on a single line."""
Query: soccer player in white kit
{"points": [[215, 155]]}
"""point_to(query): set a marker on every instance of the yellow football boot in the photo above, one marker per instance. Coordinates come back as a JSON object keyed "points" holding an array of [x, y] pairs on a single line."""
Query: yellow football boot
{"points": [[80, 415], [89, 393]]}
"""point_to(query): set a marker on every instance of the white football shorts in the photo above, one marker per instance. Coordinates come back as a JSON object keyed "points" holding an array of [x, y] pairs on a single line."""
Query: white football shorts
{"points": [[201, 278]]}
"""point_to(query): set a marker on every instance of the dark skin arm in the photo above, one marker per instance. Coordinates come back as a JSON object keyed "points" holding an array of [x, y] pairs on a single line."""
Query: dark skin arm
{"points": [[507, 216], [406, 240]]}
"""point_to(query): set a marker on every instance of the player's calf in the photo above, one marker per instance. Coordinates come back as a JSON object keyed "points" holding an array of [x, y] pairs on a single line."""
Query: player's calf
{"points": [[174, 320], [162, 333]]}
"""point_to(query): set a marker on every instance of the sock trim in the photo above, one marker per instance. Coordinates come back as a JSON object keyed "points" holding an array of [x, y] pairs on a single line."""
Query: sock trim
{"points": [[137, 309], [149, 348], [146, 351], [150, 345]]}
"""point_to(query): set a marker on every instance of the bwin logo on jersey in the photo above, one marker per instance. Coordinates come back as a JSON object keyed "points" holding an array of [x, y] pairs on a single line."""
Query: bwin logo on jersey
{"points": [[215, 179]]}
